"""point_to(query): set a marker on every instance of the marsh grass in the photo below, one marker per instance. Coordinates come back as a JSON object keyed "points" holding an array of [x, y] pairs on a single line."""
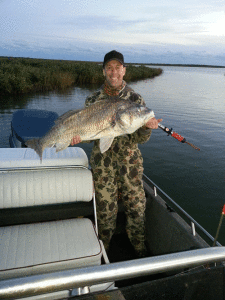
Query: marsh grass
{"points": [[26, 75]]}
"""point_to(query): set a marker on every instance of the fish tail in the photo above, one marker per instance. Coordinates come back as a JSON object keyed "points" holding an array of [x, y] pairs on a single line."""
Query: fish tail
{"points": [[36, 146]]}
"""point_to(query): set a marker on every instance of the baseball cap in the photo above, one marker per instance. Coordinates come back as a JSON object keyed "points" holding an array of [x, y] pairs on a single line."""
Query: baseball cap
{"points": [[113, 55]]}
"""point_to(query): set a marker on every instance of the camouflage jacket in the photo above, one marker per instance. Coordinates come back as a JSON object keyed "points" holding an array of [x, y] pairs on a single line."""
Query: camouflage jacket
{"points": [[125, 146]]}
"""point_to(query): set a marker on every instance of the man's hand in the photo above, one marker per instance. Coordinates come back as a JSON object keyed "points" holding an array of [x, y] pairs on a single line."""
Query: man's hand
{"points": [[153, 123], [76, 140]]}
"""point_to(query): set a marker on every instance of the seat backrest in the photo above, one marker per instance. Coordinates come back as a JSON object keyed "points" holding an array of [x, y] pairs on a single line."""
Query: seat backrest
{"points": [[45, 186]]}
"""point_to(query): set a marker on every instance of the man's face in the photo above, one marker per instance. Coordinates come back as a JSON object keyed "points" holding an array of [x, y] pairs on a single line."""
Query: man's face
{"points": [[114, 72]]}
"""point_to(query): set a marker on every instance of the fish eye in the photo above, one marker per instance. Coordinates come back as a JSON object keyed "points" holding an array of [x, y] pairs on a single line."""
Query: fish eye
{"points": [[139, 110]]}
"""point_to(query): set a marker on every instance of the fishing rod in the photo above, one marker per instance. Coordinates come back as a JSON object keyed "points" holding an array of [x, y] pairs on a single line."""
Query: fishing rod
{"points": [[176, 136]]}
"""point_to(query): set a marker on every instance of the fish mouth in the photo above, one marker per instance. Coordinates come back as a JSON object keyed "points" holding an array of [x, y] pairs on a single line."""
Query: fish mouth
{"points": [[145, 111], [149, 113]]}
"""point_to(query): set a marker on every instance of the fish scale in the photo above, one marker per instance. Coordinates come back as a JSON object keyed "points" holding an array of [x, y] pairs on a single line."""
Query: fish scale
{"points": [[104, 120]]}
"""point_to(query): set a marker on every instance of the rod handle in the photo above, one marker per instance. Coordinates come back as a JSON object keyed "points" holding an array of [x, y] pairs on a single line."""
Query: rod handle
{"points": [[179, 137]]}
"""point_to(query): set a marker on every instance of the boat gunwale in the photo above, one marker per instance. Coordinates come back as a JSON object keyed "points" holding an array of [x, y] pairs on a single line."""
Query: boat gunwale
{"points": [[80, 277], [180, 210]]}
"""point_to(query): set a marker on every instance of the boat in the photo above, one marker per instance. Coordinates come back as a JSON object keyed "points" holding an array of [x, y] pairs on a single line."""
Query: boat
{"points": [[50, 247]]}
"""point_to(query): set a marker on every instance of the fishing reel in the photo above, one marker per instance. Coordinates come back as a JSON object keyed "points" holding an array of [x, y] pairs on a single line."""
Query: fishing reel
{"points": [[166, 129]]}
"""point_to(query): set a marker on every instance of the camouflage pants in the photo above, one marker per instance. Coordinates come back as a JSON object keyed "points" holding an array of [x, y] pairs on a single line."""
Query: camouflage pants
{"points": [[125, 178]]}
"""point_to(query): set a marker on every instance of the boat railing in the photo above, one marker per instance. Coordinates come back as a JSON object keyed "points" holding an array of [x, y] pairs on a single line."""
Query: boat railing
{"points": [[194, 224], [84, 277]]}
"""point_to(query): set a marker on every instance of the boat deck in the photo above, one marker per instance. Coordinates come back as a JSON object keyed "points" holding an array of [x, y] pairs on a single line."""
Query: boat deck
{"points": [[180, 262]]}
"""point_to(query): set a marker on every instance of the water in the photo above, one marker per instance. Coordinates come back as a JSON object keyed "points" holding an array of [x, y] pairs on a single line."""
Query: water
{"points": [[191, 100]]}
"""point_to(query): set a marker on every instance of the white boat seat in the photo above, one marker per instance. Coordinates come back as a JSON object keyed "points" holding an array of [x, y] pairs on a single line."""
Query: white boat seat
{"points": [[31, 249], [37, 248]]}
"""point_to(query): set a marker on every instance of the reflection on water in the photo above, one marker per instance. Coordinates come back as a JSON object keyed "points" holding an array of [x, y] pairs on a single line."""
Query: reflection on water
{"points": [[191, 100]]}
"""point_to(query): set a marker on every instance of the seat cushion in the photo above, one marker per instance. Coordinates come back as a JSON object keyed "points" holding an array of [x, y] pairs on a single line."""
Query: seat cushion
{"points": [[47, 247], [46, 186]]}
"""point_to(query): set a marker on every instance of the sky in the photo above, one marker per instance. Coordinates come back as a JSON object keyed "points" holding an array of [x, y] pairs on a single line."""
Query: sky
{"points": [[145, 31]]}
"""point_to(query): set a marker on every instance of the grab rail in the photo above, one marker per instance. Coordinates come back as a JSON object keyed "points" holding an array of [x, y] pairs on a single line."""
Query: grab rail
{"points": [[70, 279], [180, 209]]}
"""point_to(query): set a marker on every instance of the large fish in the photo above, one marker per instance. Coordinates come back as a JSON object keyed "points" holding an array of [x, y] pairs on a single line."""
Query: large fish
{"points": [[104, 120]]}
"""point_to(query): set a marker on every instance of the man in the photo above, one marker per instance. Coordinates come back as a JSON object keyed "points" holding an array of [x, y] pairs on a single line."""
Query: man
{"points": [[119, 170]]}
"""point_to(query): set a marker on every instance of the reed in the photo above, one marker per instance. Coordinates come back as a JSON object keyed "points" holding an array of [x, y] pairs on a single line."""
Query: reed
{"points": [[25, 75]]}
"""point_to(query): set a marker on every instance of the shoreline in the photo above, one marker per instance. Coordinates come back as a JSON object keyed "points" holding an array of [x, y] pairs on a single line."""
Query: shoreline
{"points": [[30, 75], [128, 63], [182, 65]]}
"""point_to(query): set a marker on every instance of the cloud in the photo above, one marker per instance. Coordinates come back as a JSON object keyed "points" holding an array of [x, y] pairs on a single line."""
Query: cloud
{"points": [[94, 51], [92, 22], [88, 29]]}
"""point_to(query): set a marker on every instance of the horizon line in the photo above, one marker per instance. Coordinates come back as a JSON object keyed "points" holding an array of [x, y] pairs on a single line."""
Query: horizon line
{"points": [[127, 63]]}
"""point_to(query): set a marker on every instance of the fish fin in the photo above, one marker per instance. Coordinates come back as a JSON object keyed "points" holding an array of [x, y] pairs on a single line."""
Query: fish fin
{"points": [[36, 146], [105, 143], [62, 145], [66, 116]]}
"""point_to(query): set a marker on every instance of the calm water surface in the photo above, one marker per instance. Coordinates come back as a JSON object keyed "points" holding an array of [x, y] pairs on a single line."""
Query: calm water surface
{"points": [[192, 102]]}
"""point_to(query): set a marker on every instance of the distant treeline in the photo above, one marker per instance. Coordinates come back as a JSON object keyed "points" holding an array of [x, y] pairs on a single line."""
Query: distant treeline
{"points": [[25, 75]]}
